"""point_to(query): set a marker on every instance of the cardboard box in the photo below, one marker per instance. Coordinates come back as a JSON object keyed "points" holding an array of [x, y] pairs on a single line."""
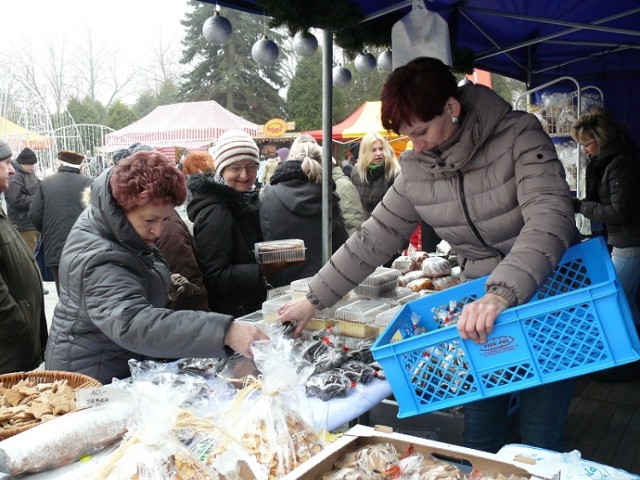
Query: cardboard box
{"points": [[360, 436], [443, 426]]}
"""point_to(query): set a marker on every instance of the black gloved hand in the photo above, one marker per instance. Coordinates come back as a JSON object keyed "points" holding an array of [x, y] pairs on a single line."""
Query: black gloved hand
{"points": [[576, 204], [179, 285]]}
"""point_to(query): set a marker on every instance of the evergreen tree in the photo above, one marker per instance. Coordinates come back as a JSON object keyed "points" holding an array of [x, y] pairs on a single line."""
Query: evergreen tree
{"points": [[147, 101], [304, 97], [227, 73], [86, 110], [120, 115]]}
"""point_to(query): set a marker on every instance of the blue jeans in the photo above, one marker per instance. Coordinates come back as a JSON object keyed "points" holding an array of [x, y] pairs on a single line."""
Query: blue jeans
{"points": [[542, 414], [628, 270]]}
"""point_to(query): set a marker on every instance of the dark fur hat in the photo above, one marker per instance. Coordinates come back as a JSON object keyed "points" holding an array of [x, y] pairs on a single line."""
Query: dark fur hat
{"points": [[70, 157]]}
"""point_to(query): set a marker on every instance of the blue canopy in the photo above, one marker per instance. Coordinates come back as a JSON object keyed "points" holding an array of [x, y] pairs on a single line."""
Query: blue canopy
{"points": [[596, 42]]}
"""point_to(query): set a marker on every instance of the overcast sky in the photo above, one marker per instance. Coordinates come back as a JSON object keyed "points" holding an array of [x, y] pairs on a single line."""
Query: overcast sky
{"points": [[130, 27], [138, 20]]}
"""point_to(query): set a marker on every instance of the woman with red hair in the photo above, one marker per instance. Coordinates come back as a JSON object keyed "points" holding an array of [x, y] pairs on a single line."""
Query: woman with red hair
{"points": [[115, 283]]}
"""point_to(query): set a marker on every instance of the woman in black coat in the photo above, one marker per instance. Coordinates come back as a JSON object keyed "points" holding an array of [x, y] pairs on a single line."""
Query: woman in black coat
{"points": [[224, 209]]}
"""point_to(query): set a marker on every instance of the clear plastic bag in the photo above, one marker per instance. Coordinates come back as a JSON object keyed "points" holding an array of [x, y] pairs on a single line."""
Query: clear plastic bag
{"points": [[166, 418], [420, 33], [268, 433]]}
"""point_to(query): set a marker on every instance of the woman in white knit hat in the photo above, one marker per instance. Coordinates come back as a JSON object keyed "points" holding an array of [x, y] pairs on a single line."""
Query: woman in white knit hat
{"points": [[224, 210]]}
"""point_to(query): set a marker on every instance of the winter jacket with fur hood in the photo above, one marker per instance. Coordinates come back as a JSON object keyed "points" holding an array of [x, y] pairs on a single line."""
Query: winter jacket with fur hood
{"points": [[292, 208], [226, 226], [113, 294], [495, 191]]}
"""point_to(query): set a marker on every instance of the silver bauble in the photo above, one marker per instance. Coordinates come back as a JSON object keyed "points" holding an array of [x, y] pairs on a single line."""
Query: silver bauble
{"points": [[385, 61], [217, 29], [265, 52], [305, 44], [341, 76], [365, 63]]}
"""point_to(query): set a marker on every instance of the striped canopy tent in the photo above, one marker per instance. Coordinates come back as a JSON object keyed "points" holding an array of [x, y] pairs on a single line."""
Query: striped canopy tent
{"points": [[365, 119], [181, 126], [19, 137]]}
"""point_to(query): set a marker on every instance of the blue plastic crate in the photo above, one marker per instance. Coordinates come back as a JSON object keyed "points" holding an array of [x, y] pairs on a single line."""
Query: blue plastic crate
{"points": [[578, 322]]}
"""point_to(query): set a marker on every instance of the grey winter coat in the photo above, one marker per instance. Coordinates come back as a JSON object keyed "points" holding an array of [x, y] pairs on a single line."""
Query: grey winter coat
{"points": [[113, 293], [19, 195], [56, 205], [23, 327], [495, 191], [350, 203]]}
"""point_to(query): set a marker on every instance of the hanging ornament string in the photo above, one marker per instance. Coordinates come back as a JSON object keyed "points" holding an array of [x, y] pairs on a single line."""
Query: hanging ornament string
{"points": [[341, 75], [216, 29], [305, 44], [265, 52]]}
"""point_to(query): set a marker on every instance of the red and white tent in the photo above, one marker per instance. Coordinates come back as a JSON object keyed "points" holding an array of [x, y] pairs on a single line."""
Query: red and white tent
{"points": [[189, 125]]}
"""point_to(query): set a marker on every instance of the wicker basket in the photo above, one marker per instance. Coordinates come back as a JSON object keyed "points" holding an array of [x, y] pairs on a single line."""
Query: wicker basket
{"points": [[75, 380]]}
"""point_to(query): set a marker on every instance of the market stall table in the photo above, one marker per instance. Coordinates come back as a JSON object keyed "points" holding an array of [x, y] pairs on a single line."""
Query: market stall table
{"points": [[331, 415]]}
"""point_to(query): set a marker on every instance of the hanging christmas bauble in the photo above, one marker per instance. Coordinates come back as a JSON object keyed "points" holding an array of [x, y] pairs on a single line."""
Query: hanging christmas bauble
{"points": [[265, 52], [341, 76], [365, 63], [217, 29], [385, 61], [305, 44]]}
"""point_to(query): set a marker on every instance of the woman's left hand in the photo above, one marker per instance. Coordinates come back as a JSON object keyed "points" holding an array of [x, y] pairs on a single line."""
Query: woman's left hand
{"points": [[477, 318]]}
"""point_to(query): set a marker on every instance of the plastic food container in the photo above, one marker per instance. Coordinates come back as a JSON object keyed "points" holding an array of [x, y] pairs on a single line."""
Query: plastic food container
{"points": [[399, 296], [270, 307], [299, 288], [578, 322], [381, 281], [251, 317], [274, 251], [361, 311]]}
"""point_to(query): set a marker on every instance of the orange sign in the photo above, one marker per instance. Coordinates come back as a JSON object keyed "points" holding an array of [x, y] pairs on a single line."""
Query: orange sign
{"points": [[276, 127]]}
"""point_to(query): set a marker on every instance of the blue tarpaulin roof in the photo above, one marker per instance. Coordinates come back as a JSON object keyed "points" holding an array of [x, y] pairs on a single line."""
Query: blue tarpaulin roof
{"points": [[595, 41]]}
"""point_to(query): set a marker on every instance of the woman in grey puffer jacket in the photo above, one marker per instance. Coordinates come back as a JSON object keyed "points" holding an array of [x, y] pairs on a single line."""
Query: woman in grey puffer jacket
{"points": [[114, 284], [488, 180]]}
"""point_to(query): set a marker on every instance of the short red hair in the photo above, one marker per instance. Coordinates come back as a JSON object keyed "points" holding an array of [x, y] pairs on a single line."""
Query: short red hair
{"points": [[197, 162], [416, 91], [146, 177]]}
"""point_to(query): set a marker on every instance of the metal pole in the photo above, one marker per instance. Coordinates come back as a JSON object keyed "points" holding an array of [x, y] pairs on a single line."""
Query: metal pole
{"points": [[327, 108]]}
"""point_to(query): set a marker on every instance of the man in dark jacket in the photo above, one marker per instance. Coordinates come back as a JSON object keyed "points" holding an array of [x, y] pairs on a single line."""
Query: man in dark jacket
{"points": [[56, 205], [23, 327], [20, 193]]}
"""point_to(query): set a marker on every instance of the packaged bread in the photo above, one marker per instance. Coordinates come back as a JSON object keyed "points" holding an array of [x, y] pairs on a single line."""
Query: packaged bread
{"points": [[436, 267], [402, 264], [64, 439], [409, 277], [442, 283], [421, 284]]}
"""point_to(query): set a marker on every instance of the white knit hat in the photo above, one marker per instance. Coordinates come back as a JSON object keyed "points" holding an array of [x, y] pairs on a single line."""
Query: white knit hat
{"points": [[234, 146]]}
